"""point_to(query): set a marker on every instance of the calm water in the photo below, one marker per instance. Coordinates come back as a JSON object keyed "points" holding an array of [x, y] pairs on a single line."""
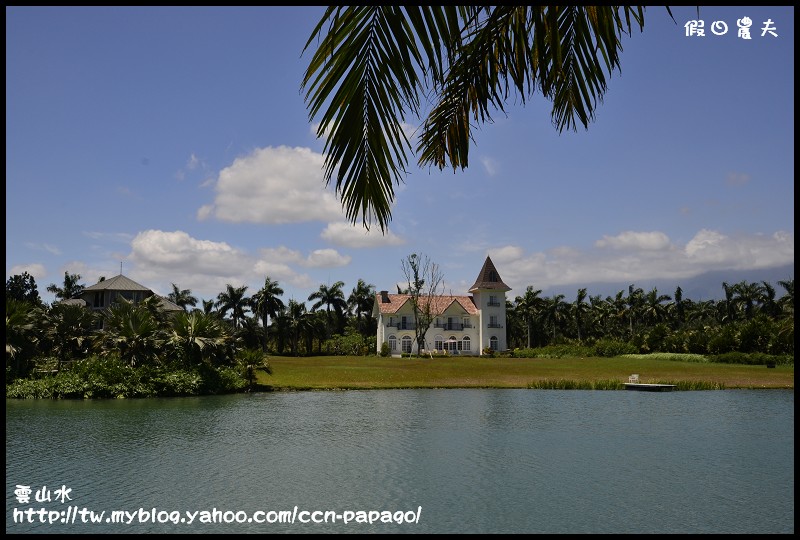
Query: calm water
{"points": [[475, 461]]}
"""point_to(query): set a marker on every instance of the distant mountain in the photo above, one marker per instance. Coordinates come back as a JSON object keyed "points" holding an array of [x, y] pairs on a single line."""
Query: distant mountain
{"points": [[706, 286]]}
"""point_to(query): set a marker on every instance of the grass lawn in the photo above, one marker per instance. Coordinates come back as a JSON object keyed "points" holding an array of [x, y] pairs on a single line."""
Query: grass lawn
{"points": [[372, 372]]}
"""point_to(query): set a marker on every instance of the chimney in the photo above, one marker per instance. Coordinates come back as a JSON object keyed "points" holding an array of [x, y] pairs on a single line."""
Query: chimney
{"points": [[385, 297]]}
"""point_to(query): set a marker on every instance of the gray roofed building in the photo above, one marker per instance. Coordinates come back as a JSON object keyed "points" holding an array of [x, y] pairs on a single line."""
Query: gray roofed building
{"points": [[105, 292]]}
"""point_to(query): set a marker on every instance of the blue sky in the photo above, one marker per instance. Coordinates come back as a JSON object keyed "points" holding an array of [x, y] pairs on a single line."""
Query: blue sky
{"points": [[175, 143]]}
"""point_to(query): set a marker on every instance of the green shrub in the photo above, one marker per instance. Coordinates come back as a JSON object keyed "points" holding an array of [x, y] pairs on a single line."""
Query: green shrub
{"points": [[608, 348]]}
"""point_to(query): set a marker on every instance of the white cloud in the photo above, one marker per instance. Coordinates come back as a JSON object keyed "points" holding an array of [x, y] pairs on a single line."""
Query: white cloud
{"points": [[36, 270], [356, 236], [206, 267], [274, 185], [327, 258], [631, 240], [490, 165], [320, 258], [647, 256]]}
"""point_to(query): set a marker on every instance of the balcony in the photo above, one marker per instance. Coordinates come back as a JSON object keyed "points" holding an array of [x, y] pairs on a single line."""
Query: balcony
{"points": [[493, 303], [402, 325], [451, 326], [494, 325]]}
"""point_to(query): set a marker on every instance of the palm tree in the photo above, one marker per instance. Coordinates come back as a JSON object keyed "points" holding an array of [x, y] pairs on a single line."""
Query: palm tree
{"points": [[580, 309], [19, 327], [653, 309], [132, 331], [331, 297], [530, 305], [199, 337], [266, 303], [208, 306], [67, 330], [71, 288], [360, 302], [634, 303], [297, 323], [748, 295], [182, 297], [233, 300], [372, 64], [554, 311], [786, 302]]}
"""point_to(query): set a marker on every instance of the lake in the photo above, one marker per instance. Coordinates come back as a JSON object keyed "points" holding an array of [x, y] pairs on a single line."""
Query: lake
{"points": [[405, 461]]}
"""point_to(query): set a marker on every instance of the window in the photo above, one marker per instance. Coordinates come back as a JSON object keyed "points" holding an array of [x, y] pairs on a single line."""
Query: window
{"points": [[493, 322], [493, 344], [392, 343], [438, 343], [466, 343], [406, 341], [494, 301], [99, 298]]}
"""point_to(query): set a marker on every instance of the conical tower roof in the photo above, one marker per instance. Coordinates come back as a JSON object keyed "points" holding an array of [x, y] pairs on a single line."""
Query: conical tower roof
{"points": [[489, 278]]}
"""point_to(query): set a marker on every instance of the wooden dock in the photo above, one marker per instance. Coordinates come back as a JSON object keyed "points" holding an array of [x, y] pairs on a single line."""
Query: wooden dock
{"points": [[634, 384]]}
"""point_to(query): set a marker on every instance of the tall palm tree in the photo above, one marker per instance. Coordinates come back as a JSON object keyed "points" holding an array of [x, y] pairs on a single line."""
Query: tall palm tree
{"points": [[580, 310], [555, 311], [208, 306], [530, 306], [786, 302], [233, 300], [182, 297], [373, 64], [653, 308], [634, 303], [332, 298], [748, 295], [360, 302], [71, 288], [266, 303], [297, 323]]}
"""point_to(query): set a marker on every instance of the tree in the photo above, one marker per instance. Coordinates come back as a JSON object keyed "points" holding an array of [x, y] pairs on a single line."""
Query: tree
{"points": [[266, 303], [182, 297], [132, 331], [71, 288], [19, 330], [530, 305], [424, 280], [330, 297], [786, 302], [67, 330], [233, 300], [580, 309], [297, 323], [372, 64], [199, 337], [555, 311], [22, 287], [360, 303]]}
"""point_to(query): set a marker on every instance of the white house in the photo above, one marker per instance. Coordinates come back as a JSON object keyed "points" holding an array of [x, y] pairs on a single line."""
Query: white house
{"points": [[465, 324]]}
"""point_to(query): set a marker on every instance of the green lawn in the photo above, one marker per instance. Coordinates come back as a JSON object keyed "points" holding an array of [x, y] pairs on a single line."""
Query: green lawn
{"points": [[356, 372]]}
